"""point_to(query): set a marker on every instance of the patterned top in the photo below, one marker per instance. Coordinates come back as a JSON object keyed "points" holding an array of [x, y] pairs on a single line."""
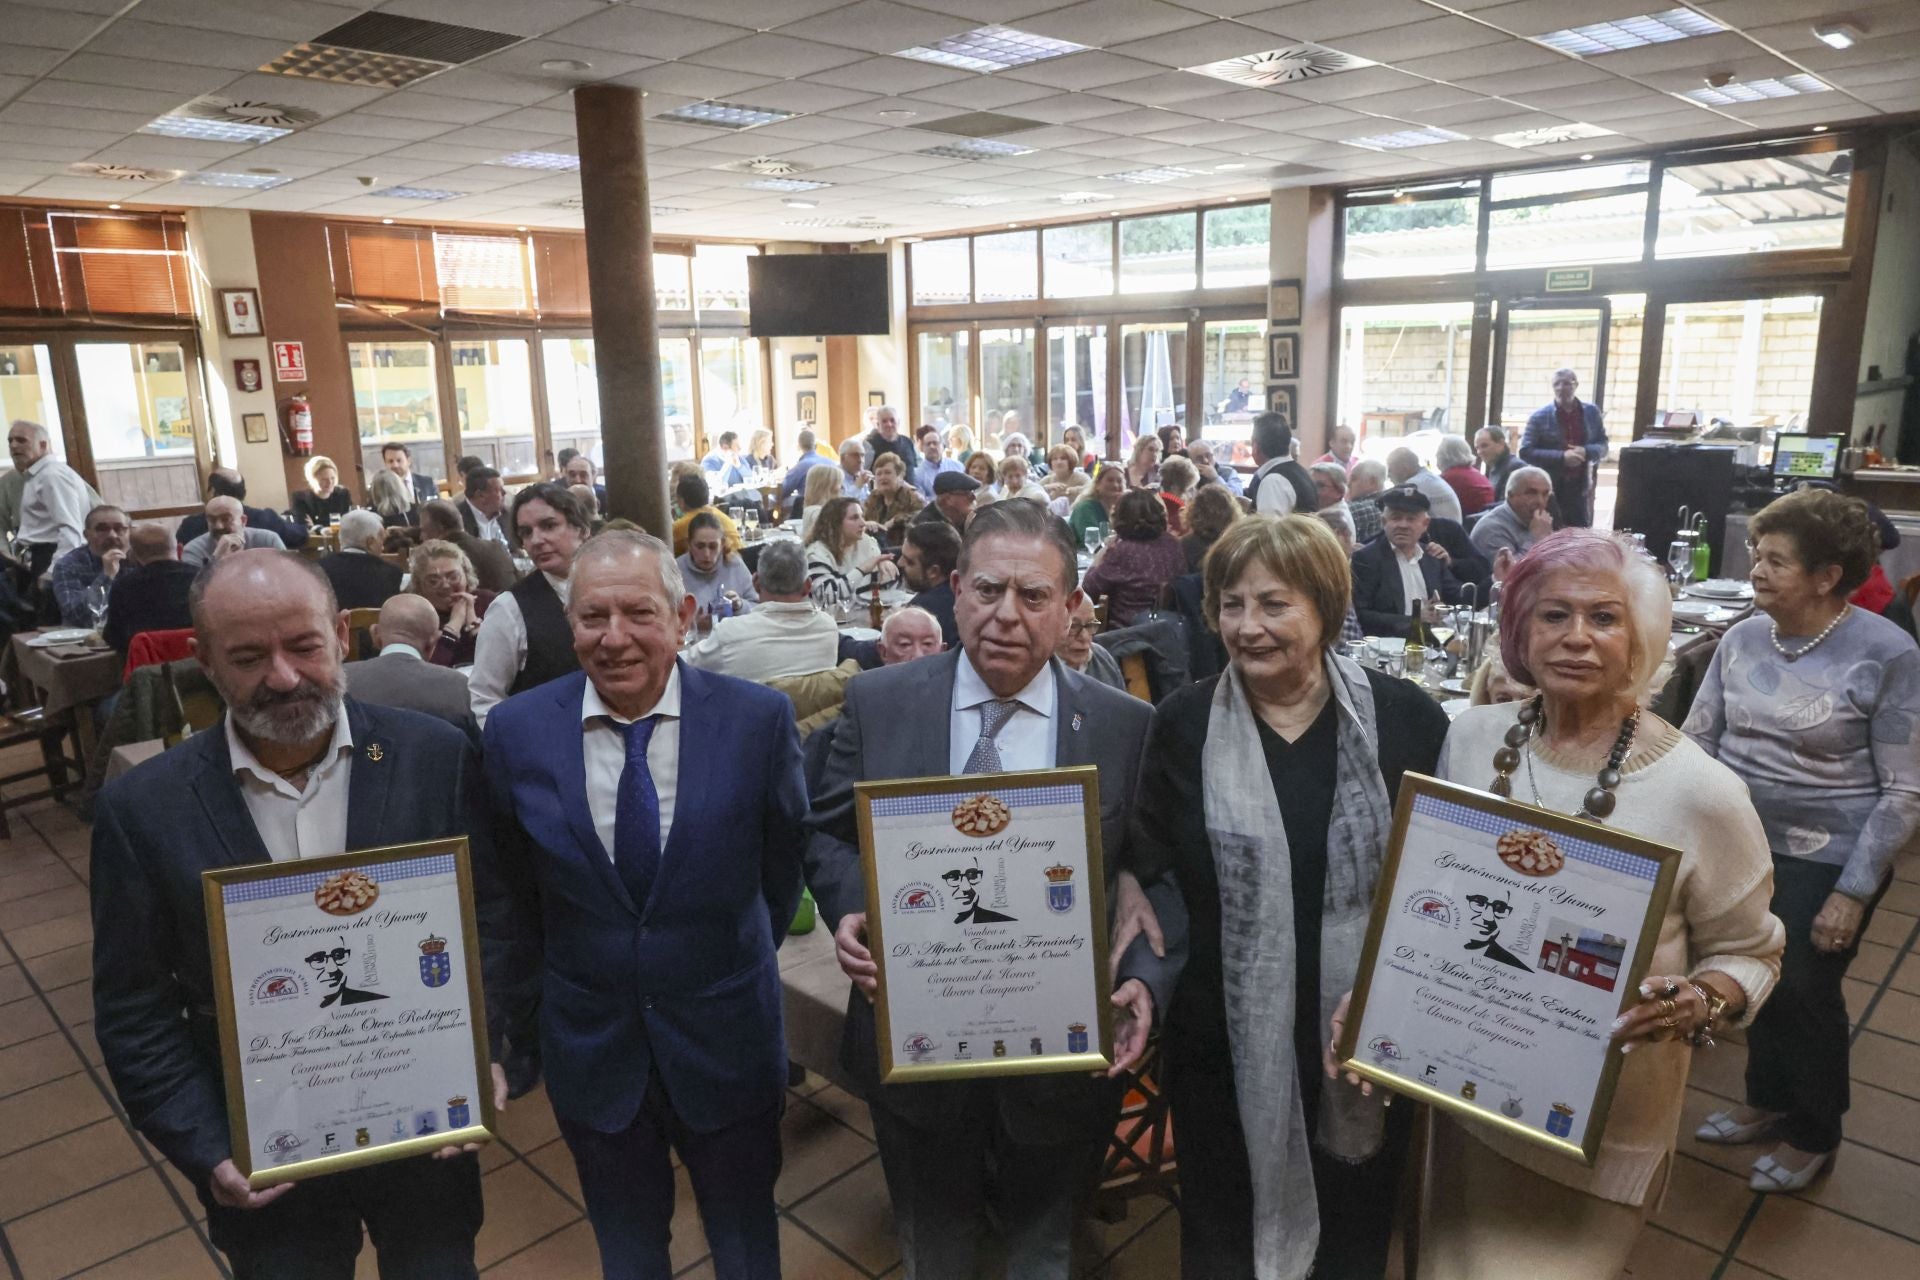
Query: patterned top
{"points": [[1825, 744], [1132, 574], [73, 573]]}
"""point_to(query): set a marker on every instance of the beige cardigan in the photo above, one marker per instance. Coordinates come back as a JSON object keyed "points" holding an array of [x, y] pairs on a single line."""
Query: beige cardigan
{"points": [[1718, 918]]}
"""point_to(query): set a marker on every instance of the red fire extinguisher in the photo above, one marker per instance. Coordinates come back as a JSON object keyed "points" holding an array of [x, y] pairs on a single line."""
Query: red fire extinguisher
{"points": [[299, 427]]}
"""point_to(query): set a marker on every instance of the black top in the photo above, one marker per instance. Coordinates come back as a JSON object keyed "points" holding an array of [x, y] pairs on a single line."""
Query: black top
{"points": [[549, 638], [316, 510], [361, 580], [938, 601], [900, 447], [1170, 834], [148, 597]]}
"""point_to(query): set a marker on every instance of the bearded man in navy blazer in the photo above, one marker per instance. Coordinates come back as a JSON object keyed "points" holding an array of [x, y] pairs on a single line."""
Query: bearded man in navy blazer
{"points": [[295, 770], [646, 866]]}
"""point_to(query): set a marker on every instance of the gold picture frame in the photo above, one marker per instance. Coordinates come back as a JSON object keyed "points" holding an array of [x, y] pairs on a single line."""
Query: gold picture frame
{"points": [[939, 798], [470, 1118], [1402, 918], [253, 427]]}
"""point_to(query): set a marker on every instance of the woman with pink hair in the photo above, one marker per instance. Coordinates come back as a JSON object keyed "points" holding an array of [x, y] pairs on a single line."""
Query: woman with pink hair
{"points": [[1585, 621]]}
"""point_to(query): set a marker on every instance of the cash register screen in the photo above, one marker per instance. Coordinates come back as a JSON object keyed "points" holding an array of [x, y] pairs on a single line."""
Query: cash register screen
{"points": [[1800, 457]]}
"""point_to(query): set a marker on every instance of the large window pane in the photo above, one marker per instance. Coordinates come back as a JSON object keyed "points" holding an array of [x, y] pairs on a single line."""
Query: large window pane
{"points": [[1156, 254], [946, 389], [1749, 362], [1541, 341], [1006, 383], [1077, 383], [730, 397], [1411, 238], [1603, 229], [1079, 260], [1154, 391], [394, 398], [493, 396], [1236, 246], [676, 396], [1398, 366], [673, 281], [140, 422], [573, 396], [720, 276], [940, 271], [1753, 206], [1007, 266], [27, 391], [1235, 360]]}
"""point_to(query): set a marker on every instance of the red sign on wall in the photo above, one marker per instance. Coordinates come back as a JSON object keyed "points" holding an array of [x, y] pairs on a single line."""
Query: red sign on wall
{"points": [[289, 362]]}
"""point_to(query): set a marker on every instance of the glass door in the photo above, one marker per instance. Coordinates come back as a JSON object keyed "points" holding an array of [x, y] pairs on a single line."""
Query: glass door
{"points": [[395, 398], [1153, 362], [945, 369], [141, 410], [1006, 384], [1077, 383], [493, 403], [1534, 338]]}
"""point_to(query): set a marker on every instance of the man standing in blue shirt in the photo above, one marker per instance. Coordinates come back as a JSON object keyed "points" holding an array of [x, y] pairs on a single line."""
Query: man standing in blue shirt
{"points": [[933, 461], [797, 474]]}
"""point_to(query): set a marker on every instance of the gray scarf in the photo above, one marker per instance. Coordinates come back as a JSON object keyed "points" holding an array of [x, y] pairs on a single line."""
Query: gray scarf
{"points": [[1251, 857]]}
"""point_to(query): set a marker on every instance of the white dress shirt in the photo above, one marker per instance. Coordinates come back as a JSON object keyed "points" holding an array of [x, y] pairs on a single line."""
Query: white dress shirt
{"points": [[1276, 495], [500, 650], [490, 527], [1440, 495], [1413, 583], [292, 823], [778, 639], [1027, 740], [605, 749], [54, 505]]}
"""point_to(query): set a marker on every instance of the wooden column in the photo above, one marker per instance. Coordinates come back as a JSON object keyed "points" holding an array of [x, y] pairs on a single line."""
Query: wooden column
{"points": [[626, 329]]}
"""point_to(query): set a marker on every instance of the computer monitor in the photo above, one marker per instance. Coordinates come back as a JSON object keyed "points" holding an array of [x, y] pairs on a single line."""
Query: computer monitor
{"points": [[1804, 457]]}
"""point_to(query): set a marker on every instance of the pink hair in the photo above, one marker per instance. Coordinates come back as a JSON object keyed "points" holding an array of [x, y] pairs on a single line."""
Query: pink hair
{"points": [[1649, 607]]}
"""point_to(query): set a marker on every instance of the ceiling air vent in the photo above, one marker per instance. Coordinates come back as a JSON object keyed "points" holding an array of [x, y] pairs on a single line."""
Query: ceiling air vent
{"points": [[1282, 66], [979, 124], [273, 114], [767, 166], [386, 51], [122, 172], [840, 224]]}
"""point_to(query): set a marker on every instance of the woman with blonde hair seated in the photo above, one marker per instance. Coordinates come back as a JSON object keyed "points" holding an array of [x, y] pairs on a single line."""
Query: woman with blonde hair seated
{"points": [[821, 485], [1065, 478], [1143, 464], [1016, 481], [325, 499], [843, 560], [960, 442]]}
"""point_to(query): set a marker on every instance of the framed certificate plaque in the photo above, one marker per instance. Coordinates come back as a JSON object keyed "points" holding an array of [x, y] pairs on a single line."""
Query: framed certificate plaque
{"points": [[1504, 942], [987, 915], [352, 1025]]}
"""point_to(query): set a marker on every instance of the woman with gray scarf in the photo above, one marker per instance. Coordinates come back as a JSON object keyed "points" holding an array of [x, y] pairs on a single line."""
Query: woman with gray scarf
{"points": [[1268, 793]]}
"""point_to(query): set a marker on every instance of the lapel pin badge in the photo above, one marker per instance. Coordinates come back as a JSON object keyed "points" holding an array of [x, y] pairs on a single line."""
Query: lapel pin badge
{"points": [[375, 753], [1076, 722]]}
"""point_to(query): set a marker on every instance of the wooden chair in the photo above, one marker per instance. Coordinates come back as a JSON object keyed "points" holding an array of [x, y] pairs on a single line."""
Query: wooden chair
{"points": [[1134, 667], [360, 624], [62, 771], [1140, 1157]]}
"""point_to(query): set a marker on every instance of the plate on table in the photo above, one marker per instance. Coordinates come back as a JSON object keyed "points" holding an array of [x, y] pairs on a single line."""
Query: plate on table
{"points": [[860, 633], [893, 596], [1722, 589], [66, 635], [1454, 685], [1703, 611]]}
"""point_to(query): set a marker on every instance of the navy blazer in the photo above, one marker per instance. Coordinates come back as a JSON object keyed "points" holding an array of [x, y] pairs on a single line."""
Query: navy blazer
{"points": [[604, 989], [155, 830], [1544, 446], [1378, 596]]}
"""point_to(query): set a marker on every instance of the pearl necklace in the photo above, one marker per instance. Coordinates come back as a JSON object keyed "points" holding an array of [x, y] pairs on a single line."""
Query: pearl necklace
{"points": [[1599, 800], [1811, 645]]}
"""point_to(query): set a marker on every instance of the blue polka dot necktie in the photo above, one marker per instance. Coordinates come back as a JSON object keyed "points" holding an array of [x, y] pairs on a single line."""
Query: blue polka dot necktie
{"points": [[636, 815]]}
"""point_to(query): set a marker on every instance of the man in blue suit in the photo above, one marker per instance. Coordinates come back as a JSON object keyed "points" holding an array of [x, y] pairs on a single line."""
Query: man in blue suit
{"points": [[630, 921], [296, 770], [1394, 573], [1567, 439]]}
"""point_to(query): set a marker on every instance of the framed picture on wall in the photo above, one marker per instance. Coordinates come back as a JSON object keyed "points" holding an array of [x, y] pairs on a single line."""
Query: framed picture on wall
{"points": [[1280, 400], [246, 375], [806, 366], [253, 427], [240, 313], [1283, 302], [808, 406], [1284, 354], [875, 399]]}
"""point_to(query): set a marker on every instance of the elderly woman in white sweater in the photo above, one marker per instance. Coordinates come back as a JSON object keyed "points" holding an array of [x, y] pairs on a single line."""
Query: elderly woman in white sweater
{"points": [[1585, 621]]}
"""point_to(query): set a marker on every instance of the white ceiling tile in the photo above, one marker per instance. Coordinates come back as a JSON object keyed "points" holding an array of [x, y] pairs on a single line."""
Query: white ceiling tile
{"points": [[297, 91], [291, 21], [47, 28], [984, 93], [148, 102], [1088, 70], [889, 75], [625, 29], [34, 115], [487, 86], [1440, 35], [817, 129], [766, 51], [1537, 17], [1507, 55], [1163, 89], [398, 128], [1199, 45], [25, 60], [878, 26], [426, 106], [1424, 97], [514, 17], [1325, 21], [128, 38], [755, 15], [1208, 134], [1354, 84], [1544, 80], [93, 68], [694, 82], [540, 120], [1072, 108], [168, 153], [524, 60], [1704, 52], [804, 95], [1106, 23]]}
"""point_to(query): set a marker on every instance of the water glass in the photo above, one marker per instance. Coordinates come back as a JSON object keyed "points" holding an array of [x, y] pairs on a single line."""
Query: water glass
{"points": [[1680, 560], [97, 604]]}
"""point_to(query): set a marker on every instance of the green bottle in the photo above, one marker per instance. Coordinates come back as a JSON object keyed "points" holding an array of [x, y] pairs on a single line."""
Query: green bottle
{"points": [[1702, 559], [803, 918]]}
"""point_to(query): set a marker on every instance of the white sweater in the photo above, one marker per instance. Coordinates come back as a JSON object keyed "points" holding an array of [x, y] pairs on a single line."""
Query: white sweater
{"points": [[1718, 919]]}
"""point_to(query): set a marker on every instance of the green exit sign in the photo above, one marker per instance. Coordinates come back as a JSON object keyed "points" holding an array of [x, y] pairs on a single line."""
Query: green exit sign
{"points": [[1570, 280]]}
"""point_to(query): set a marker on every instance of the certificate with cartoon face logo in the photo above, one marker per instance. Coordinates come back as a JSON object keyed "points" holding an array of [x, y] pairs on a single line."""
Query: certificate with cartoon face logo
{"points": [[352, 1026], [1504, 941], [987, 917]]}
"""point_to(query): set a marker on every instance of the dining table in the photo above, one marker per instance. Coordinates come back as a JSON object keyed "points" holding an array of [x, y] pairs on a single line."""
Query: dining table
{"points": [[68, 678]]}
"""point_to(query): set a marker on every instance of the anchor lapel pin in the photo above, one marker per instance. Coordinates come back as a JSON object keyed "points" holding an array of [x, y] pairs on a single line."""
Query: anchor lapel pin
{"points": [[1076, 722], [375, 752]]}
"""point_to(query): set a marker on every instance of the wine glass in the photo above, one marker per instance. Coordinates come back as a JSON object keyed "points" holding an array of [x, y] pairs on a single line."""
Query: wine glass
{"points": [[1680, 560], [97, 604], [750, 521]]}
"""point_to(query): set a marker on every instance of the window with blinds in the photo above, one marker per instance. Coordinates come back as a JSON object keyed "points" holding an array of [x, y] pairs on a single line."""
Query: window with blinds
{"points": [[383, 264], [482, 273], [113, 265]]}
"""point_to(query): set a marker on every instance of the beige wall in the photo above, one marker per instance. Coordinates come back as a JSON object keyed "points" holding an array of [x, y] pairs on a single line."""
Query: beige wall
{"points": [[222, 244], [1893, 300]]}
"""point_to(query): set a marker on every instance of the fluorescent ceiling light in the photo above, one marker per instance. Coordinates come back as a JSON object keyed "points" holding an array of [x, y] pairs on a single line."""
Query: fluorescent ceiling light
{"points": [[1148, 177], [213, 130], [1631, 33], [991, 49], [1837, 35], [255, 181], [418, 193], [976, 149], [1549, 135], [784, 184], [857, 224], [1757, 90], [1083, 197], [1405, 138], [800, 204], [726, 115], [666, 211], [557, 161], [975, 201], [1282, 66]]}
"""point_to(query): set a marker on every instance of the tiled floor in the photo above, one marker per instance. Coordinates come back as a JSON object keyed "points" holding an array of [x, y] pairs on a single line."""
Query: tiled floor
{"points": [[79, 1194]]}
